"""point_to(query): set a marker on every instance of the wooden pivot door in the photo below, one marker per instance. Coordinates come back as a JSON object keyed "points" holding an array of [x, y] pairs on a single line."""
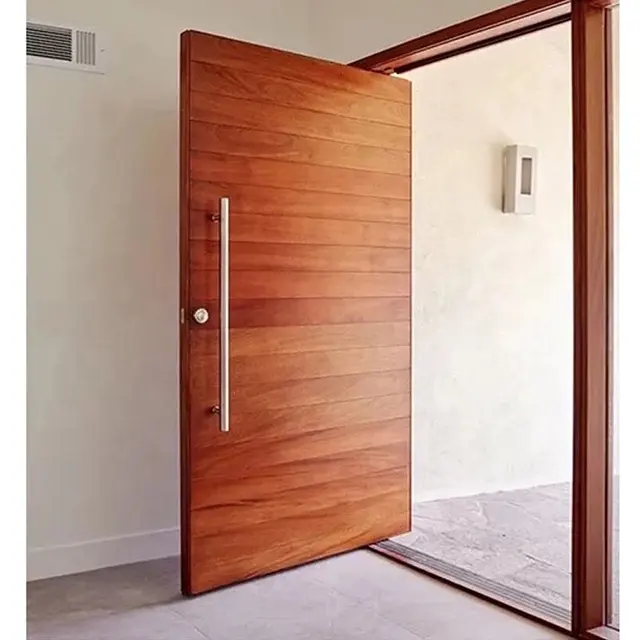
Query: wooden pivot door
{"points": [[295, 293]]}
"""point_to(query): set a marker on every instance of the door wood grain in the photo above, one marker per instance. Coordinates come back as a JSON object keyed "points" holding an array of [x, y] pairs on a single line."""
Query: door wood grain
{"points": [[278, 367], [276, 312], [243, 56], [314, 158], [294, 312], [274, 284], [271, 201], [265, 340], [301, 499], [351, 524], [249, 256], [214, 109], [252, 143], [298, 230], [258, 87], [263, 425], [214, 167]]}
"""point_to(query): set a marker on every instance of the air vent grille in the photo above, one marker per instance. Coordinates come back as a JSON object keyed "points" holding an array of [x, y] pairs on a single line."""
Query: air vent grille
{"points": [[54, 43], [64, 47], [85, 47]]}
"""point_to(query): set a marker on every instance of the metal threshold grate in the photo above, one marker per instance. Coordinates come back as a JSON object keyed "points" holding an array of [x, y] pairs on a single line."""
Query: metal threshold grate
{"points": [[467, 578]]}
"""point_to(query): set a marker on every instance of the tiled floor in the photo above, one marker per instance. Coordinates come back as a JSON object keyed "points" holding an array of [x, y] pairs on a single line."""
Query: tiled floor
{"points": [[521, 539], [356, 595]]}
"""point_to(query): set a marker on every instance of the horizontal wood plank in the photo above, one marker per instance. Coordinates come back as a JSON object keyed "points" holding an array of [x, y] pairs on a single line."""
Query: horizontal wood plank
{"points": [[303, 311], [235, 463], [253, 256], [258, 87], [300, 500], [248, 370], [264, 425], [264, 284], [252, 143], [281, 64], [272, 368], [285, 230], [215, 167], [270, 480], [223, 559], [275, 202], [270, 117], [252, 370], [335, 337], [302, 393]]}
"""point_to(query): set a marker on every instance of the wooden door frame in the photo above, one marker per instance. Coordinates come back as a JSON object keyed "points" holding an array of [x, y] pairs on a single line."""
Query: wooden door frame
{"points": [[592, 247], [509, 22], [593, 287]]}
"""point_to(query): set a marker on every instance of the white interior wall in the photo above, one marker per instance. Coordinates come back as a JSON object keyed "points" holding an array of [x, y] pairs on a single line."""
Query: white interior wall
{"points": [[347, 30], [103, 277], [492, 316]]}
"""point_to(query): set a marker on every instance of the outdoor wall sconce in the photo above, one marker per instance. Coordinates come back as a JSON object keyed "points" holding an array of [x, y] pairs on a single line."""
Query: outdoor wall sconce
{"points": [[519, 189]]}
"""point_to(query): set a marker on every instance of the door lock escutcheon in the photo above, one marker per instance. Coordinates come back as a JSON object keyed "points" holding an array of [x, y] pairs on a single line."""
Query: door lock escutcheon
{"points": [[201, 315]]}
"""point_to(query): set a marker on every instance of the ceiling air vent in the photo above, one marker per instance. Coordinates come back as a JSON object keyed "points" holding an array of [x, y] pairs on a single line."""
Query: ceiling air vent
{"points": [[64, 47]]}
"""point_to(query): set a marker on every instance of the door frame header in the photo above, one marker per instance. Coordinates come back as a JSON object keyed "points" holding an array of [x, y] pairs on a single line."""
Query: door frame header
{"points": [[496, 26]]}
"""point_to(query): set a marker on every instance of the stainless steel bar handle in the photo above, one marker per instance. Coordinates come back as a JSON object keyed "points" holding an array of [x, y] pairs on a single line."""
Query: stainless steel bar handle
{"points": [[224, 314]]}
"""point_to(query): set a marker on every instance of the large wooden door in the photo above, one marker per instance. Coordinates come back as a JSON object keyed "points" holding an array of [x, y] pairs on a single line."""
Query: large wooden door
{"points": [[313, 161]]}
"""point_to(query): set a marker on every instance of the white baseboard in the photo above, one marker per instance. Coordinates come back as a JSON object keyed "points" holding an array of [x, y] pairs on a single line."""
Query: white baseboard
{"points": [[46, 562]]}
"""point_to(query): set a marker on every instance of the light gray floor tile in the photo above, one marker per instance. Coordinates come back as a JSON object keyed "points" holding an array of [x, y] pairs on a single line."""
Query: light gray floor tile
{"points": [[427, 608], [278, 606], [376, 581], [147, 623], [465, 618], [357, 621], [356, 595], [115, 589]]}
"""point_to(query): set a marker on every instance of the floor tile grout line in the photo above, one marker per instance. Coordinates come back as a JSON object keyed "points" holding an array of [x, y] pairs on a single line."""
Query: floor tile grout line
{"points": [[369, 607], [357, 601], [204, 635]]}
